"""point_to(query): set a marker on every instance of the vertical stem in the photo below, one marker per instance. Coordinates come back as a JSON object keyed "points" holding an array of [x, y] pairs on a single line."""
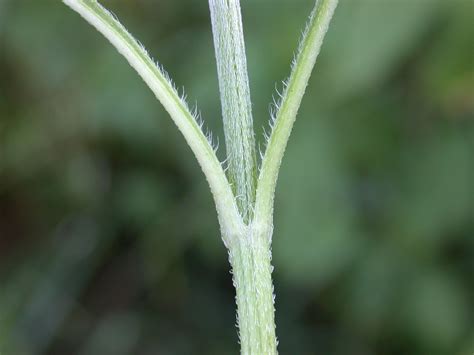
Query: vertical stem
{"points": [[235, 100], [249, 248], [250, 257]]}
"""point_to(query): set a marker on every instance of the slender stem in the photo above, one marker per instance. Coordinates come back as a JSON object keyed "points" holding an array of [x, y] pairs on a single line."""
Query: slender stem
{"points": [[290, 103], [250, 258], [159, 83], [250, 252], [235, 99], [247, 234]]}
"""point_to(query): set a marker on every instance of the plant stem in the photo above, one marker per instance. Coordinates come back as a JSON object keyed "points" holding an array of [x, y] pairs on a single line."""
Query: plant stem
{"points": [[295, 88], [235, 100], [250, 257], [249, 250], [246, 234], [158, 81]]}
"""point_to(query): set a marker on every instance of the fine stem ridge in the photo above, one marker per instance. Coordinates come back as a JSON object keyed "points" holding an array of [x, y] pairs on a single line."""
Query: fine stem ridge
{"points": [[234, 90]]}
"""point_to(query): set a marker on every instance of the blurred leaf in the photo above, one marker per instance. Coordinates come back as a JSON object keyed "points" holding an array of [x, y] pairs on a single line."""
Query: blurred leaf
{"points": [[116, 334], [436, 196], [447, 71], [437, 311], [314, 237], [367, 41]]}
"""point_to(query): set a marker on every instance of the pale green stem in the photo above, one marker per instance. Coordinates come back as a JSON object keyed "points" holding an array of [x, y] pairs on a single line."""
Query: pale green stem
{"points": [[248, 239], [250, 257], [310, 46], [235, 99], [94, 13], [249, 252]]}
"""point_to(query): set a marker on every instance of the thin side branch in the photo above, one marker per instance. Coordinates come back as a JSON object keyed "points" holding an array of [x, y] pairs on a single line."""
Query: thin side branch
{"points": [[287, 109], [160, 84]]}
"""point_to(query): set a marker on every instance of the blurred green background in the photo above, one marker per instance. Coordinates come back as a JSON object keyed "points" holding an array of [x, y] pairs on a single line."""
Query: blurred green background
{"points": [[109, 242]]}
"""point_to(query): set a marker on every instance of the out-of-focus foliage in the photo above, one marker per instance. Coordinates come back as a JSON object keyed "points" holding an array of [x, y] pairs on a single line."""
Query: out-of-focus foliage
{"points": [[108, 237]]}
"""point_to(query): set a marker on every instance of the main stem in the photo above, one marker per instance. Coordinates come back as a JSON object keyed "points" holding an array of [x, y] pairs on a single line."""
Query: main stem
{"points": [[249, 246], [245, 212], [235, 100], [250, 257]]}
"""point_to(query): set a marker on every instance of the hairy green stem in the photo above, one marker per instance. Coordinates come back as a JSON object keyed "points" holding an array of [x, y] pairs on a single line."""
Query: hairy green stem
{"points": [[295, 88], [235, 99], [245, 209], [158, 81], [249, 253], [250, 257]]}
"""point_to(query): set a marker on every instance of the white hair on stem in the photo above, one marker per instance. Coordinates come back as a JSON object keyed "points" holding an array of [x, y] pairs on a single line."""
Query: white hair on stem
{"points": [[235, 101], [187, 121]]}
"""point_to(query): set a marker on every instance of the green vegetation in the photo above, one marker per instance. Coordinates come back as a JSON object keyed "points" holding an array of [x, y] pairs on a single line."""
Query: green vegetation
{"points": [[107, 231], [244, 198]]}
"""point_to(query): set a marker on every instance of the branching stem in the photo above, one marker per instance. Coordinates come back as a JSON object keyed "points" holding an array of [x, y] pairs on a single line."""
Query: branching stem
{"points": [[244, 204]]}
